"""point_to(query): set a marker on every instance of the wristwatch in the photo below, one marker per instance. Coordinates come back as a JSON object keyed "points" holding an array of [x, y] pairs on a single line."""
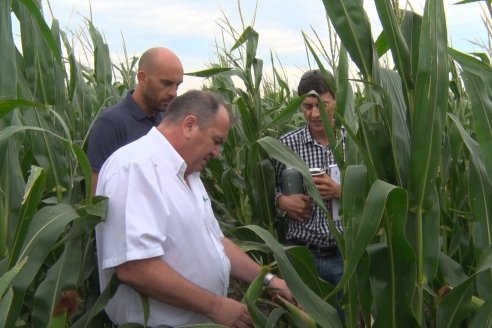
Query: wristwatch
{"points": [[268, 279]]}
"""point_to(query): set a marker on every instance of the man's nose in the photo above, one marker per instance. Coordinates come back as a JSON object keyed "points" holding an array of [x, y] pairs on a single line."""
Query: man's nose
{"points": [[217, 151], [173, 91]]}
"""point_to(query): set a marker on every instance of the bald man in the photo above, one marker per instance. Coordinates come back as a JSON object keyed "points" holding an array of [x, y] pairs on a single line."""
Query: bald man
{"points": [[159, 75]]}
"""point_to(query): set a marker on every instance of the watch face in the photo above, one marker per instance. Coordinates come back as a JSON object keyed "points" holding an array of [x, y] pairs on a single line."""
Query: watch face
{"points": [[268, 278]]}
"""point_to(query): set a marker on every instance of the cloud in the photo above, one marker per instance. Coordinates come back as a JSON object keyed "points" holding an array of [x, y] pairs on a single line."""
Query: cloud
{"points": [[191, 27], [160, 18], [281, 40]]}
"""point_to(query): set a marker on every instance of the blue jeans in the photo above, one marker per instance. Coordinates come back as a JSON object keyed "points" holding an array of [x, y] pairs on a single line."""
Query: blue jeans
{"points": [[330, 268]]}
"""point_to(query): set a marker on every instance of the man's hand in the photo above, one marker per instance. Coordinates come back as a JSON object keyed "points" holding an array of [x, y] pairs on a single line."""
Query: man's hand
{"points": [[230, 313], [278, 287], [327, 187], [297, 206]]}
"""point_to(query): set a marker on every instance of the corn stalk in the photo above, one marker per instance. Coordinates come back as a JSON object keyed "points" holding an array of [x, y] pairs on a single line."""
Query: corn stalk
{"points": [[47, 104]]}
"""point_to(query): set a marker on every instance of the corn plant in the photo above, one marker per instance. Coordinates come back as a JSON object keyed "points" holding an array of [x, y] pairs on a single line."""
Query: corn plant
{"points": [[416, 203], [48, 101]]}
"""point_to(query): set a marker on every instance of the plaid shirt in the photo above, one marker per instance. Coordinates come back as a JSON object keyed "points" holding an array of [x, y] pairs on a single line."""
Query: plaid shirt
{"points": [[315, 230]]}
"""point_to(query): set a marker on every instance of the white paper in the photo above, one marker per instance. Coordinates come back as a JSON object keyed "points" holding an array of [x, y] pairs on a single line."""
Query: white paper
{"points": [[335, 175]]}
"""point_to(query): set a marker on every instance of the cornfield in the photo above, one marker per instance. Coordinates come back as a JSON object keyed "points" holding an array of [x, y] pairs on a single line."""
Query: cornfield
{"points": [[416, 173]]}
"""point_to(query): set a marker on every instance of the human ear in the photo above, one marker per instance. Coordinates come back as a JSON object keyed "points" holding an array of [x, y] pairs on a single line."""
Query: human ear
{"points": [[188, 123], [141, 76]]}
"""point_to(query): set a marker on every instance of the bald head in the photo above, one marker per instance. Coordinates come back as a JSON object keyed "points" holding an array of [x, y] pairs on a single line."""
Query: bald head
{"points": [[159, 75], [152, 58]]}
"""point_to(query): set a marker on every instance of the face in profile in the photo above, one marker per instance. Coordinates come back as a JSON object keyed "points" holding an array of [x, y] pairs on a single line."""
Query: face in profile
{"points": [[311, 109], [161, 87], [208, 140]]}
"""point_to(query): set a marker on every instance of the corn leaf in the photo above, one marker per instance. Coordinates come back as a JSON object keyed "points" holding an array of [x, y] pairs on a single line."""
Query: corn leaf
{"points": [[85, 168], [58, 321], [430, 107], [451, 270], [393, 288], [298, 317], [381, 197], [483, 318], [480, 189], [395, 111], [302, 260], [286, 114], [281, 152], [47, 226], [7, 278], [5, 303], [8, 65], [274, 317], [251, 296], [41, 54], [324, 314], [102, 65], [45, 31], [209, 72], [7, 105], [248, 120], [396, 41], [85, 320], [352, 25], [477, 77], [480, 201], [62, 276], [32, 198], [468, 1], [344, 92], [12, 186], [456, 306], [411, 28], [354, 192]]}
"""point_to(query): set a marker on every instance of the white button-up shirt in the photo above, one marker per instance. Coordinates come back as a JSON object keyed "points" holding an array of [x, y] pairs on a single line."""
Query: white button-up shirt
{"points": [[152, 212]]}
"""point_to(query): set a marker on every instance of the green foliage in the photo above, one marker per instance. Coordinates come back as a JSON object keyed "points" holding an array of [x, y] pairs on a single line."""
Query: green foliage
{"points": [[47, 214], [406, 140], [417, 172]]}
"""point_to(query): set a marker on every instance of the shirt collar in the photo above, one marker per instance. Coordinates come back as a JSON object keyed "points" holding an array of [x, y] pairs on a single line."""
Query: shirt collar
{"points": [[306, 136], [135, 110], [168, 153]]}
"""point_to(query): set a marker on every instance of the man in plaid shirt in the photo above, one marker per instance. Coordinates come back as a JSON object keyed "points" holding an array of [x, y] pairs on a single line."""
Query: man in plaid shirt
{"points": [[307, 225]]}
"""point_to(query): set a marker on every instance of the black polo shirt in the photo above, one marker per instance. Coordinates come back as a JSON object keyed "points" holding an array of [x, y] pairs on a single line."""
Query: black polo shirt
{"points": [[117, 126]]}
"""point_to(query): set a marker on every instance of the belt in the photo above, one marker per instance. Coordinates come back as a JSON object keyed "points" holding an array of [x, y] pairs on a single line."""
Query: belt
{"points": [[328, 250]]}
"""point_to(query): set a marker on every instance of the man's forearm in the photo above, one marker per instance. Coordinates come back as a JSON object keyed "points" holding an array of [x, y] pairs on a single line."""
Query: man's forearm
{"points": [[242, 266], [156, 279]]}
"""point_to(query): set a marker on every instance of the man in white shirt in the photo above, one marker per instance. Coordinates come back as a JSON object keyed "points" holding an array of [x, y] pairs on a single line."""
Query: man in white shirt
{"points": [[160, 235]]}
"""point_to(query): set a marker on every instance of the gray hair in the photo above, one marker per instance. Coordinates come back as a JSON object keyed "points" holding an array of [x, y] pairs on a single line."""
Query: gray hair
{"points": [[204, 105]]}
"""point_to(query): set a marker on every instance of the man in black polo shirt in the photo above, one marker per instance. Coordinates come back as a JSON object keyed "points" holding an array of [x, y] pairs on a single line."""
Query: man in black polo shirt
{"points": [[159, 75]]}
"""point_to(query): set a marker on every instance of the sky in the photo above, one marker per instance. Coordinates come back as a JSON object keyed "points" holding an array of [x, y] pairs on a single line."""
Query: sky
{"points": [[191, 28]]}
